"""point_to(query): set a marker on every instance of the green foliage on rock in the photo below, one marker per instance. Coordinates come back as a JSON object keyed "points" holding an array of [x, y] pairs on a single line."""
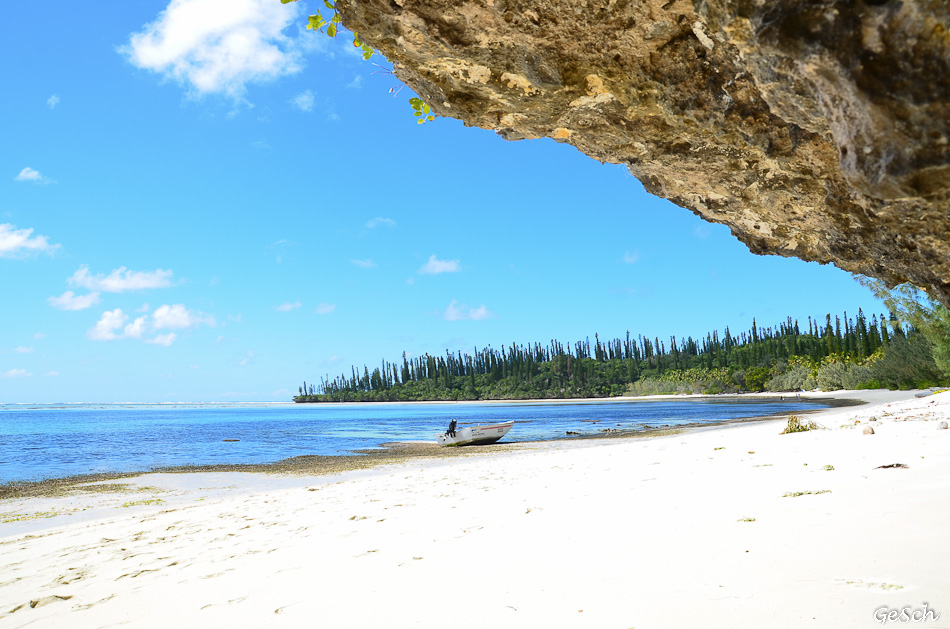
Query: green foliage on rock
{"points": [[421, 110], [316, 22]]}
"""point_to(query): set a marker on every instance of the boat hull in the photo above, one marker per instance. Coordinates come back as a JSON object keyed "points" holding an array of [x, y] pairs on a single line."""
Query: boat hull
{"points": [[475, 435]]}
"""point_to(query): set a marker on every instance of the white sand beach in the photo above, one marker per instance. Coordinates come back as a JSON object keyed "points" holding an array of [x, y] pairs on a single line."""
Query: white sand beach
{"points": [[736, 526]]}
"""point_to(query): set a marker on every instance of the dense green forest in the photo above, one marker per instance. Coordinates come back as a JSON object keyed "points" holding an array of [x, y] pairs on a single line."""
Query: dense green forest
{"points": [[836, 353]]}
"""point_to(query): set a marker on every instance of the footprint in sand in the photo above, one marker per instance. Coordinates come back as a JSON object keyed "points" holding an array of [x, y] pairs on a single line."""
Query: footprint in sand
{"points": [[42, 602]]}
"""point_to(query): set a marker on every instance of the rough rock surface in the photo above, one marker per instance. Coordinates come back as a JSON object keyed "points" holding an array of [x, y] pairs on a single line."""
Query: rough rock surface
{"points": [[812, 128]]}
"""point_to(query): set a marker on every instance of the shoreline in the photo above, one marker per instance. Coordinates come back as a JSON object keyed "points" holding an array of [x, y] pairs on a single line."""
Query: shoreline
{"points": [[617, 398], [397, 452], [731, 525]]}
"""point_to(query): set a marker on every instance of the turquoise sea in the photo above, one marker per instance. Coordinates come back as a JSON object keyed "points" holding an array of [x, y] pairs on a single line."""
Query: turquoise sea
{"points": [[40, 441]]}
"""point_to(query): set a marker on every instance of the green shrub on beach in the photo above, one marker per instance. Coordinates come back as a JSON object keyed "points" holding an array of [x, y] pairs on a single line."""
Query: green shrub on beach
{"points": [[928, 317], [795, 378], [797, 424], [907, 364]]}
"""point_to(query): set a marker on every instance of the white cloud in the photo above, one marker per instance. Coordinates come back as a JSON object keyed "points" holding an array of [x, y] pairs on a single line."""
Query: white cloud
{"points": [[356, 83], [137, 328], [121, 280], [477, 314], [177, 317], [303, 101], [15, 373], [33, 176], [52, 101], [461, 312], [365, 264], [379, 220], [325, 308], [106, 326], [71, 301], [218, 46], [20, 242], [287, 306], [631, 258], [38, 336], [165, 317], [22, 350], [246, 359], [435, 266], [52, 374], [166, 340]]}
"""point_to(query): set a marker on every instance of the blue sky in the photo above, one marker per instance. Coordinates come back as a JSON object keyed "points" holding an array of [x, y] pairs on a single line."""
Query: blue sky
{"points": [[201, 201]]}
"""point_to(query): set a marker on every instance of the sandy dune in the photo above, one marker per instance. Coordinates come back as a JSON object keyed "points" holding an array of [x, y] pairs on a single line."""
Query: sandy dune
{"points": [[728, 527]]}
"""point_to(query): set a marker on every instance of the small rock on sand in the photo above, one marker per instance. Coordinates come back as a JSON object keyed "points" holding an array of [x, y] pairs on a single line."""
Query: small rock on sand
{"points": [[869, 430], [942, 425]]}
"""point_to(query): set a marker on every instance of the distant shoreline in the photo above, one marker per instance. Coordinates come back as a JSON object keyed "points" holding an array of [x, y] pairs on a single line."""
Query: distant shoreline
{"points": [[865, 396], [853, 394], [397, 452]]}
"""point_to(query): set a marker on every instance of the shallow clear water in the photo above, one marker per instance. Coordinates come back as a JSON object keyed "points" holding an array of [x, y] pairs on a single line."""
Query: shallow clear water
{"points": [[54, 440]]}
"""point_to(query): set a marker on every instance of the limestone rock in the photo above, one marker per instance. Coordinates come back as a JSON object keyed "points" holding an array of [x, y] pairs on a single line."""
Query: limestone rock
{"points": [[814, 129], [868, 430], [942, 425]]}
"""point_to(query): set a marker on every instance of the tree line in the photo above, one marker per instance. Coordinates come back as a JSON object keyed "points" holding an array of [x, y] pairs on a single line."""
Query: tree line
{"points": [[833, 353]]}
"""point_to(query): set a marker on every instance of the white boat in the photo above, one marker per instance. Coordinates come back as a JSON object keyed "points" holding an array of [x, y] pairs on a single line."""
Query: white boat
{"points": [[475, 435]]}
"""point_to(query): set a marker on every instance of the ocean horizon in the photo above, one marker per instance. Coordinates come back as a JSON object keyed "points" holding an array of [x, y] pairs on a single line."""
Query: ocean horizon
{"points": [[50, 440]]}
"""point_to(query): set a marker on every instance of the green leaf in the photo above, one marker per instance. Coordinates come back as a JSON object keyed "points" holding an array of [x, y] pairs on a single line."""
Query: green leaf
{"points": [[431, 117], [287, 1], [420, 121], [328, 3], [417, 113], [336, 18], [415, 102], [331, 30], [425, 108], [356, 40], [367, 55]]}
